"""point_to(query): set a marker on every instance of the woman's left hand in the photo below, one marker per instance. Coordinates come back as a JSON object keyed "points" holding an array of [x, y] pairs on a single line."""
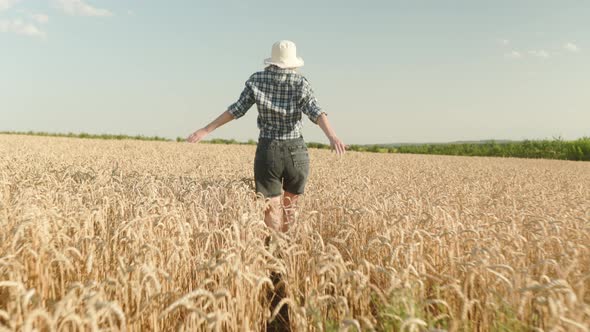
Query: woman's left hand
{"points": [[197, 135]]}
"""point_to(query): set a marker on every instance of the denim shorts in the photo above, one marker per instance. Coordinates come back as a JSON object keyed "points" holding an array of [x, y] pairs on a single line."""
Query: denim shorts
{"points": [[281, 165]]}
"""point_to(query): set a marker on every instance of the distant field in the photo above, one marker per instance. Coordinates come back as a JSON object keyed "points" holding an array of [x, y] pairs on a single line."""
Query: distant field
{"points": [[165, 236], [539, 149]]}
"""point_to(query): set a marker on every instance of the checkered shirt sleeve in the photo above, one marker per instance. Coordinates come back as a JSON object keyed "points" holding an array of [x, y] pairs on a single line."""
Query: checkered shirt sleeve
{"points": [[309, 104], [244, 103]]}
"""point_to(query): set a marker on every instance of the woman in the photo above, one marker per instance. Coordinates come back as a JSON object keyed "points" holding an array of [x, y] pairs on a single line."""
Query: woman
{"points": [[281, 165]]}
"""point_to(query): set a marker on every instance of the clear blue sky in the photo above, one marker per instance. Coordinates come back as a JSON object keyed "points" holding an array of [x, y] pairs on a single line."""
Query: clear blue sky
{"points": [[385, 71]]}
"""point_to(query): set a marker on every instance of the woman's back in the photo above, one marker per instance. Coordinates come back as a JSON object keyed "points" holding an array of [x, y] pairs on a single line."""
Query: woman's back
{"points": [[281, 96]]}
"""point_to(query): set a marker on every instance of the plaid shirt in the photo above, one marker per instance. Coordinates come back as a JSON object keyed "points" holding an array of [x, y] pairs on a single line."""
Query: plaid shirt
{"points": [[281, 95]]}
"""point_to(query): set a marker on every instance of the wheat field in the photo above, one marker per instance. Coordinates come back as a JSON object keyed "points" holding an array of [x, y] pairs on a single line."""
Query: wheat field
{"points": [[162, 236]]}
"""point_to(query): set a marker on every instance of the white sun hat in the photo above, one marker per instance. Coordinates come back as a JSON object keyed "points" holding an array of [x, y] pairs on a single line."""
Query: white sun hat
{"points": [[284, 55]]}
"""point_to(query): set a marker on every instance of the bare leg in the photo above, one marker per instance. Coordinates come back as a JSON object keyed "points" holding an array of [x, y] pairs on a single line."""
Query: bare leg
{"points": [[273, 214], [289, 210]]}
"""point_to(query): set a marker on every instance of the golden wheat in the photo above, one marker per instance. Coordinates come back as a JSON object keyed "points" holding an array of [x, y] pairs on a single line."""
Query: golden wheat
{"points": [[161, 236]]}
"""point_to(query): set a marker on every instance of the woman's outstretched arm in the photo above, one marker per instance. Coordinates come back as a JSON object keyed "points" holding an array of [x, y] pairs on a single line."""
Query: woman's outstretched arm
{"points": [[198, 135], [234, 111], [335, 142]]}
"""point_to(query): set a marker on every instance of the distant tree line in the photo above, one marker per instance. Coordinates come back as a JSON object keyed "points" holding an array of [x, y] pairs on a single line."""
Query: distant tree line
{"points": [[87, 135], [548, 149], [557, 148]]}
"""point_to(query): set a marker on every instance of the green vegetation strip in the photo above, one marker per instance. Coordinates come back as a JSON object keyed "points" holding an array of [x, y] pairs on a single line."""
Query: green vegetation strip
{"points": [[86, 135], [547, 149]]}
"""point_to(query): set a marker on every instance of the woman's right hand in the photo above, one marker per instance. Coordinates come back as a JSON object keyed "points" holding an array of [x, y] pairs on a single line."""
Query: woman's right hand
{"points": [[197, 135], [337, 145]]}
